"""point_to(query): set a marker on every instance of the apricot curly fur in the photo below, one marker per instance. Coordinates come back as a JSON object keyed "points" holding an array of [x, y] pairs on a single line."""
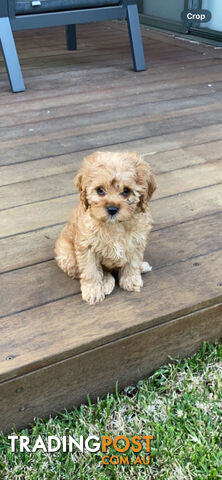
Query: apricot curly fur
{"points": [[93, 243]]}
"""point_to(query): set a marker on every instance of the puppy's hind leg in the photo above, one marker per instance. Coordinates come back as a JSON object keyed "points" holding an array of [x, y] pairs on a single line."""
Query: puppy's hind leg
{"points": [[65, 255]]}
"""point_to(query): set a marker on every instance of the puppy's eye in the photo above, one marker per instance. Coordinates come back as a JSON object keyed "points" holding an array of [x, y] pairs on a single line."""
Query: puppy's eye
{"points": [[126, 192], [100, 191]]}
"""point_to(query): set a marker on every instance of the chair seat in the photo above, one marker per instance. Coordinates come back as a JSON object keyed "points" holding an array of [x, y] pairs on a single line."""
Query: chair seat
{"points": [[23, 7]]}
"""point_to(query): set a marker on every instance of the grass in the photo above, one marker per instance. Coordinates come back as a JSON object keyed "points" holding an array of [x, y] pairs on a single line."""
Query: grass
{"points": [[180, 405]]}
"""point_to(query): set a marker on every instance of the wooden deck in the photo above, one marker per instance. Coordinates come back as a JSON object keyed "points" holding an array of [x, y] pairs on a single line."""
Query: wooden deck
{"points": [[54, 349]]}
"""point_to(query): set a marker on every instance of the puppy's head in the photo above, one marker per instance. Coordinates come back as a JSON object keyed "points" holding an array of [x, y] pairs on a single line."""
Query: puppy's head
{"points": [[115, 185]]}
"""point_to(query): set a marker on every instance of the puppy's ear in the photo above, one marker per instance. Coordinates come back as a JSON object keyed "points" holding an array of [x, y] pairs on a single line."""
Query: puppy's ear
{"points": [[79, 183], [147, 183]]}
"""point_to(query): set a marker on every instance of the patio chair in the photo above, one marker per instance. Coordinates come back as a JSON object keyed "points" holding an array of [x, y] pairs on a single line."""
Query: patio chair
{"points": [[28, 14]]}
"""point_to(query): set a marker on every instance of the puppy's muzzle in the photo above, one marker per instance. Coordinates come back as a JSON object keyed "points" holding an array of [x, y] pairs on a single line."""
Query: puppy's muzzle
{"points": [[112, 210]]}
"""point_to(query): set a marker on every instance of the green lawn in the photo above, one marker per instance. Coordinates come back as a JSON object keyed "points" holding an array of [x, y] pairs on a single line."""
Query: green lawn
{"points": [[180, 405]]}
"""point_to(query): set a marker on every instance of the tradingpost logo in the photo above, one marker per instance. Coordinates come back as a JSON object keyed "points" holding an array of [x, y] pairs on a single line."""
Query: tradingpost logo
{"points": [[115, 450], [136, 444]]}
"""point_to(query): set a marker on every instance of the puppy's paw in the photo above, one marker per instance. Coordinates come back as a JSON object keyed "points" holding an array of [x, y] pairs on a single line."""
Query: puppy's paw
{"points": [[132, 283], [108, 283], [92, 293], [146, 267]]}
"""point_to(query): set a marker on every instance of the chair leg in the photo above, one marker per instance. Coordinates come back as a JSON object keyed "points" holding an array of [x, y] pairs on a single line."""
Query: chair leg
{"points": [[10, 56], [71, 39], [135, 37]]}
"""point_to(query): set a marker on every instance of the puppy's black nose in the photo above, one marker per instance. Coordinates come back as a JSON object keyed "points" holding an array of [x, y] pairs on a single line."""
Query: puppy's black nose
{"points": [[112, 210]]}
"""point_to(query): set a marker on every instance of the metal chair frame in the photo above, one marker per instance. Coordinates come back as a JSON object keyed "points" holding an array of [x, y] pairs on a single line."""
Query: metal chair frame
{"points": [[9, 22]]}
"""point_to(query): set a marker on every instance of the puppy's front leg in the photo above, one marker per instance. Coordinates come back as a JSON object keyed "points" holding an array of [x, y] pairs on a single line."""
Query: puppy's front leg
{"points": [[91, 276], [130, 276]]}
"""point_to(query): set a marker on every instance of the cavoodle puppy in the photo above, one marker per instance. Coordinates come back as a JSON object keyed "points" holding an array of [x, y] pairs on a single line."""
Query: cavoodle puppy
{"points": [[108, 229]]}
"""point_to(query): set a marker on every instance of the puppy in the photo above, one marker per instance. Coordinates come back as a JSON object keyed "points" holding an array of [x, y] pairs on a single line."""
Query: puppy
{"points": [[108, 229]]}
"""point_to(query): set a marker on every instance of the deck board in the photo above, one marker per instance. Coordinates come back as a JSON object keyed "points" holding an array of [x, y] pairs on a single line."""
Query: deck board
{"points": [[66, 334], [42, 283], [47, 187], [179, 208], [51, 343], [115, 122]]}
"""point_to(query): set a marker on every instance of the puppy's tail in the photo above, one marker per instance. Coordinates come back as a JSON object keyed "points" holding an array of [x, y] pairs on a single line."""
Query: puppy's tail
{"points": [[146, 267]]}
